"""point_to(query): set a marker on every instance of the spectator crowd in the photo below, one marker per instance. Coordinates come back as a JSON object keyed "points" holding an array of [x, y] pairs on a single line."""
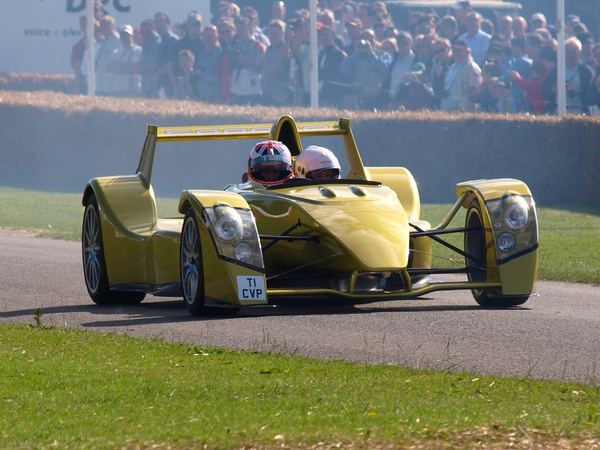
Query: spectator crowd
{"points": [[459, 62]]}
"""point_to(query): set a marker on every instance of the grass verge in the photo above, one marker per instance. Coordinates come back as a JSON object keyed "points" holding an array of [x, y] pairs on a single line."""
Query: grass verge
{"points": [[79, 389], [569, 238]]}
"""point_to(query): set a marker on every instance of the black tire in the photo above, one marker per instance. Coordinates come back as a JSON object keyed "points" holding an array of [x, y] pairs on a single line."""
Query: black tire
{"points": [[192, 270], [94, 264], [476, 247]]}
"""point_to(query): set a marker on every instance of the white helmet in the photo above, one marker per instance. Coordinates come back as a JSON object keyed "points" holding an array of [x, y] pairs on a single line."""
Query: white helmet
{"points": [[314, 161], [269, 164]]}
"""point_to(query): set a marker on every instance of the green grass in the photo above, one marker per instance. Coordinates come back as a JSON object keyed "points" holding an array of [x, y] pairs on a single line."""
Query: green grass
{"points": [[74, 389], [569, 238], [78, 389]]}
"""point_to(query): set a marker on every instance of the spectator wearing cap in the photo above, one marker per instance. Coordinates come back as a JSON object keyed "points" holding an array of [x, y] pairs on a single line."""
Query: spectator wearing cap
{"points": [[354, 29], [462, 80], [581, 92], [399, 66], [330, 61], [538, 20], [461, 10], [124, 67], [168, 39], [519, 26], [477, 40], [347, 13]]}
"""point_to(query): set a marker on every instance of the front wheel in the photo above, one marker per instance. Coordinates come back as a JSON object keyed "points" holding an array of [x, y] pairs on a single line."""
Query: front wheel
{"points": [[476, 248], [94, 263]]}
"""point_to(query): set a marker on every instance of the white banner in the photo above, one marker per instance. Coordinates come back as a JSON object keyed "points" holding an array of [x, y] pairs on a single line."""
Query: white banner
{"points": [[37, 35]]}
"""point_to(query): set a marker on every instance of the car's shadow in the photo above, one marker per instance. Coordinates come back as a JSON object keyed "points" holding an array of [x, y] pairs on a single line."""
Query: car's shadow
{"points": [[161, 311]]}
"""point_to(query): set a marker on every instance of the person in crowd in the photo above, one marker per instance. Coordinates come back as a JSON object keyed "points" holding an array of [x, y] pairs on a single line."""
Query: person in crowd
{"points": [[354, 29], [398, 68], [77, 53], [109, 45], [572, 19], [275, 77], [124, 66], [491, 73], [415, 93], [258, 34], [461, 10], [448, 28], [98, 38], [270, 164], [364, 70], [477, 40], [532, 87], [227, 32], [440, 63], [317, 163], [186, 83], [298, 33], [579, 79], [533, 44], [179, 29], [191, 41], [162, 76], [462, 80], [390, 46], [278, 10], [506, 24], [327, 19], [538, 20], [379, 27], [519, 26], [521, 64], [207, 85], [587, 44], [147, 61], [330, 60], [227, 38], [246, 56]]}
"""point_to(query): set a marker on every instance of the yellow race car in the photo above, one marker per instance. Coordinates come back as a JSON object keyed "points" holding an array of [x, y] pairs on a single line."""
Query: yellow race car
{"points": [[360, 237]]}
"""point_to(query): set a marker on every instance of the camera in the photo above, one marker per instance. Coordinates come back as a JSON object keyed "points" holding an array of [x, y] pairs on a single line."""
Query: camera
{"points": [[294, 24]]}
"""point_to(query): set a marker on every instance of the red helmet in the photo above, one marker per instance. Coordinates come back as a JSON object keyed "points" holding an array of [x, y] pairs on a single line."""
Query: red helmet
{"points": [[270, 163]]}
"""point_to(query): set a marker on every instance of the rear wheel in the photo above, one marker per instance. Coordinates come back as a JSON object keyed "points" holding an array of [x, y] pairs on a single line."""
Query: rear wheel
{"points": [[476, 248], [94, 264]]}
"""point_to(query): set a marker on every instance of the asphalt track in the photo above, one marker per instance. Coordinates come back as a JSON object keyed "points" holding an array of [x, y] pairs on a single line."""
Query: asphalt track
{"points": [[555, 335]]}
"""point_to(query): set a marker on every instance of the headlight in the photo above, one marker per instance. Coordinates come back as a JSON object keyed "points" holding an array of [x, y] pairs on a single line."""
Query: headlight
{"points": [[506, 242], [516, 214], [228, 224], [243, 251]]}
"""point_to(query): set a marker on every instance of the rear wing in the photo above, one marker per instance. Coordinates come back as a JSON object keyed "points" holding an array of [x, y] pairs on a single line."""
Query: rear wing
{"points": [[285, 129]]}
